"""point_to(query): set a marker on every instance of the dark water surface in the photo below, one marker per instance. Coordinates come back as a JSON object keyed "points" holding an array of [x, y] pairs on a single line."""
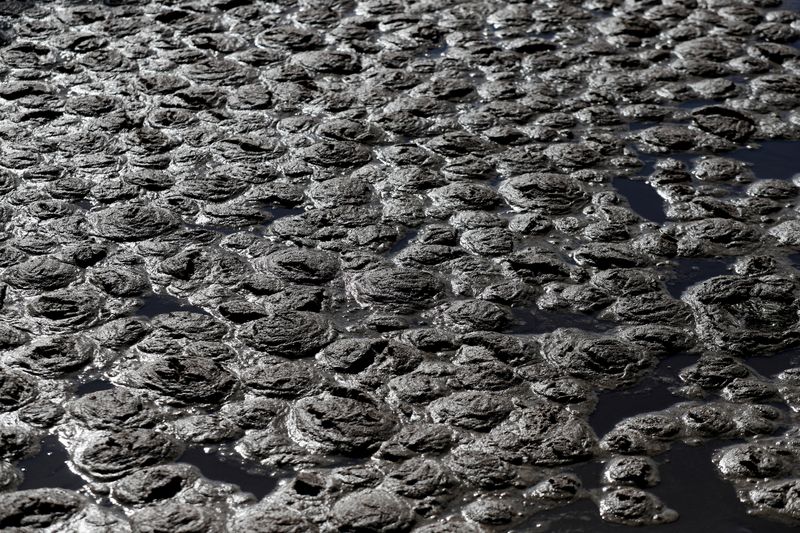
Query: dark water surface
{"points": [[651, 394], [689, 481], [49, 468], [643, 198], [230, 470], [157, 304], [771, 159], [688, 271], [689, 485]]}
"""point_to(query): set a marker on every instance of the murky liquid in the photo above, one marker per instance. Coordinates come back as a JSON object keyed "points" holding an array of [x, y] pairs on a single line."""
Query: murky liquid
{"points": [[49, 468], [690, 483], [230, 470], [771, 159], [690, 271], [644, 200]]}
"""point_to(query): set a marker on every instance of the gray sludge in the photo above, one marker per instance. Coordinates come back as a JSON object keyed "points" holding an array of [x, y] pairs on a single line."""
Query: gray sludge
{"points": [[399, 265]]}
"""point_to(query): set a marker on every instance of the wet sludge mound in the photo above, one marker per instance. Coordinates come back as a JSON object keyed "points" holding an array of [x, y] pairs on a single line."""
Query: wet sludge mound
{"points": [[394, 265]]}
